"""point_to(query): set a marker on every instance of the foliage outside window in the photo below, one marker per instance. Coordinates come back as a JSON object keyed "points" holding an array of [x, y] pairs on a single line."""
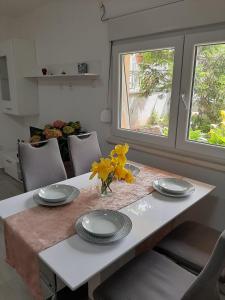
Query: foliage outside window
{"points": [[146, 98], [146, 91], [207, 119]]}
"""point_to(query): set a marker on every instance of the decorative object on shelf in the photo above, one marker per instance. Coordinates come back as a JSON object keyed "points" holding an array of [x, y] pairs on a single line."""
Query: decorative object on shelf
{"points": [[44, 71], [112, 168], [82, 68], [58, 129]]}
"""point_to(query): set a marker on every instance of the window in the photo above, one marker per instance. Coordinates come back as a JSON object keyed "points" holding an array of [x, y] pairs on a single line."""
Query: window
{"points": [[146, 91], [201, 126], [171, 92], [207, 115]]}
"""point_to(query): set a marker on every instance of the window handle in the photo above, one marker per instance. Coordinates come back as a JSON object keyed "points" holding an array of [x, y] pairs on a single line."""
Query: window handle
{"points": [[183, 98]]}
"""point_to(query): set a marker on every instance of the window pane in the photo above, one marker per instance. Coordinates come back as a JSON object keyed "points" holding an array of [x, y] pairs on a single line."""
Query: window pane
{"points": [[146, 86], [207, 118]]}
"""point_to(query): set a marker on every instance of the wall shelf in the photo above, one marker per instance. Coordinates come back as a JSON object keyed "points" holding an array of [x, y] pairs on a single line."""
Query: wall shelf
{"points": [[86, 76]]}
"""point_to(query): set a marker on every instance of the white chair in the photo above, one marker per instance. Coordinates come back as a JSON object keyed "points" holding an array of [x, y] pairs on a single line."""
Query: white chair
{"points": [[83, 152], [152, 276], [42, 165]]}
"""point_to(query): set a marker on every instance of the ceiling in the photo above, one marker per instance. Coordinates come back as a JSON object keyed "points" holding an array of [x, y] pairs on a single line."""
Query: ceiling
{"points": [[15, 8]]}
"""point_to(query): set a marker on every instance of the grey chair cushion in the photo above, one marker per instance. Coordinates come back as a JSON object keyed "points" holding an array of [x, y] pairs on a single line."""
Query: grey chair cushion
{"points": [[190, 245], [150, 276]]}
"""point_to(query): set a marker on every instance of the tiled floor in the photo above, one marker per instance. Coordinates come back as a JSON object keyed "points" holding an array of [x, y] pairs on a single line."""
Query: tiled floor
{"points": [[8, 186]]}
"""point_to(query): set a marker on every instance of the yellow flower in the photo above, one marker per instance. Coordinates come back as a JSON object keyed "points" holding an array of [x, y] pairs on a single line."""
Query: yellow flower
{"points": [[129, 178], [222, 113], [113, 167], [35, 139], [120, 150], [120, 172], [104, 168], [118, 154], [94, 169]]}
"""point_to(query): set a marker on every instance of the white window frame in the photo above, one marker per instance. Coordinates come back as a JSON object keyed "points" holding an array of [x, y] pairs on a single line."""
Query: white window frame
{"points": [[141, 45], [182, 142]]}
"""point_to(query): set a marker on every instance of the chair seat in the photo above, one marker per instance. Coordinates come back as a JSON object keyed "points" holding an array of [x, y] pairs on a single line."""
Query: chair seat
{"points": [[190, 245], [150, 276]]}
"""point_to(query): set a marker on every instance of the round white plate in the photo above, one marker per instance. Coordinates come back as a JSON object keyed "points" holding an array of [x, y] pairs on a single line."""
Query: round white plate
{"points": [[134, 170], [125, 230], [158, 189], [69, 199], [174, 185], [55, 192], [103, 223]]}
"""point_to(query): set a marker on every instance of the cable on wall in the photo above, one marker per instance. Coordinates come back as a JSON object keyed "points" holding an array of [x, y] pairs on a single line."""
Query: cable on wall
{"points": [[102, 10], [105, 19], [106, 114]]}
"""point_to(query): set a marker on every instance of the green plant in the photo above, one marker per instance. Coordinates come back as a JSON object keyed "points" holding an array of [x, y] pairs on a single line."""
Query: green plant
{"points": [[195, 135], [164, 121], [156, 71], [165, 131], [202, 123], [217, 136], [155, 75], [153, 119]]}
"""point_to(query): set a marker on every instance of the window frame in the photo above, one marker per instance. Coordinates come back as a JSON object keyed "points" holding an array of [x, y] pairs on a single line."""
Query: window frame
{"points": [[140, 45], [187, 79]]}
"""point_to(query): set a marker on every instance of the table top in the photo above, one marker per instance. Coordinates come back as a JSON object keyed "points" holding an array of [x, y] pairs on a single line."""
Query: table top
{"points": [[76, 261]]}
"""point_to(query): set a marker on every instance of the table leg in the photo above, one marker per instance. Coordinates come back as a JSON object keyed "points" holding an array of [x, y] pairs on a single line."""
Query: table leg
{"points": [[55, 296]]}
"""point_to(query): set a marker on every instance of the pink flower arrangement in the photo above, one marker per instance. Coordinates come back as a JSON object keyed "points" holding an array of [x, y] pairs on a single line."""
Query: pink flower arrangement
{"points": [[59, 124]]}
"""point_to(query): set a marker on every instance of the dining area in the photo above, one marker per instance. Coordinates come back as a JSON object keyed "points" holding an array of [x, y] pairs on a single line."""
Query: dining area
{"points": [[114, 227]]}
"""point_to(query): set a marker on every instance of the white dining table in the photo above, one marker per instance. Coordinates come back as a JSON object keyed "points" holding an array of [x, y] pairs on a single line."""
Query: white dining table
{"points": [[76, 261]]}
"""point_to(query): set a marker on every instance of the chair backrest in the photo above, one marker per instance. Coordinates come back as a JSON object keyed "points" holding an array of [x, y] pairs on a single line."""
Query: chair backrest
{"points": [[41, 166], [83, 152], [205, 287]]}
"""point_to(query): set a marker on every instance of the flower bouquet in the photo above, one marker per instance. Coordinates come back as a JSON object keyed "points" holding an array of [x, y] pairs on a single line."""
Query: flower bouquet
{"points": [[58, 129], [112, 168]]}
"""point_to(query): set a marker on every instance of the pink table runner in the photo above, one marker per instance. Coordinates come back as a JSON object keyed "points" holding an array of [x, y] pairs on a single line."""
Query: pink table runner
{"points": [[29, 232]]}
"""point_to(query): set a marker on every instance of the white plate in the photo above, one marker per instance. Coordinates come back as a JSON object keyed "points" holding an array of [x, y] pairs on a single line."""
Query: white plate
{"points": [[55, 192], [103, 223], [125, 230], [174, 185], [158, 189], [69, 199], [134, 170]]}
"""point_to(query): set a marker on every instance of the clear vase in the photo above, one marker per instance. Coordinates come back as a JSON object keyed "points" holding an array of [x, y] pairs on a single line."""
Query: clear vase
{"points": [[104, 189]]}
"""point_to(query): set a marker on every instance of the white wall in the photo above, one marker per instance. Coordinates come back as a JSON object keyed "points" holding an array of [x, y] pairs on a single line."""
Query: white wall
{"points": [[65, 32], [71, 31]]}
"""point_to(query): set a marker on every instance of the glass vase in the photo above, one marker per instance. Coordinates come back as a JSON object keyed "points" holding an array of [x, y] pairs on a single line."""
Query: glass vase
{"points": [[104, 189]]}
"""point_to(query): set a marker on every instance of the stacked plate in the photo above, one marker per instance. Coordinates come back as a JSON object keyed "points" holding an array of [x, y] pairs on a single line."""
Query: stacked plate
{"points": [[173, 187], [56, 195], [103, 226]]}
